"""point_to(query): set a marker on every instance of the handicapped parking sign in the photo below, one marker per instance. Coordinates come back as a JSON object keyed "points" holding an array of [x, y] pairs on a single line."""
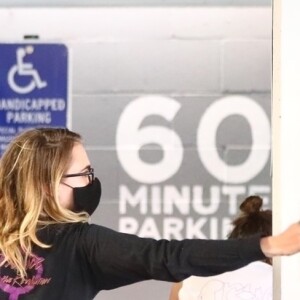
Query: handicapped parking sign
{"points": [[34, 84]]}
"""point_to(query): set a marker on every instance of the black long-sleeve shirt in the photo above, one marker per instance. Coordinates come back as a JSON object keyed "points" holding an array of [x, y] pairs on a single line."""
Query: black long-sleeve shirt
{"points": [[85, 259]]}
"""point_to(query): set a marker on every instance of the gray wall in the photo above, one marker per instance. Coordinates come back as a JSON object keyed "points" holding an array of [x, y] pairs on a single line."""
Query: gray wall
{"points": [[199, 74]]}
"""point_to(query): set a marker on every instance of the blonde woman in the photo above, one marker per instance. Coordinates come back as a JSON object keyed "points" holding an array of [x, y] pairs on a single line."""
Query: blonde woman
{"points": [[253, 281], [48, 250]]}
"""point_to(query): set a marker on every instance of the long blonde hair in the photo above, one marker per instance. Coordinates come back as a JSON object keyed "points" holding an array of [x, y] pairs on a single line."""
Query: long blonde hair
{"points": [[30, 172]]}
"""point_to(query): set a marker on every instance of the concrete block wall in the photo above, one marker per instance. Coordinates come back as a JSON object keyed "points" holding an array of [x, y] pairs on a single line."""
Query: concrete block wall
{"points": [[182, 64]]}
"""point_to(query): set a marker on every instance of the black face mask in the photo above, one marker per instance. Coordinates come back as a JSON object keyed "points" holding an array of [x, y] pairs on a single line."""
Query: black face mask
{"points": [[87, 198]]}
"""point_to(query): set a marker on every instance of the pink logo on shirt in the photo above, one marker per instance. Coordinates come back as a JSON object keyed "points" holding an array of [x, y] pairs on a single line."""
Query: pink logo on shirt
{"points": [[15, 285]]}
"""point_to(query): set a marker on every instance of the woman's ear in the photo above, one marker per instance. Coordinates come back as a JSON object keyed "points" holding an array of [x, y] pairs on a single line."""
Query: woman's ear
{"points": [[65, 196]]}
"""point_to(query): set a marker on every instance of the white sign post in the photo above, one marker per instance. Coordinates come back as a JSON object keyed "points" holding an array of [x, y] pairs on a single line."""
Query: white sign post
{"points": [[286, 138]]}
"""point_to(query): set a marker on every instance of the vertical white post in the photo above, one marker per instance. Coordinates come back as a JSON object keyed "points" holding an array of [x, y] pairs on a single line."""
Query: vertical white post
{"points": [[286, 138], [276, 158]]}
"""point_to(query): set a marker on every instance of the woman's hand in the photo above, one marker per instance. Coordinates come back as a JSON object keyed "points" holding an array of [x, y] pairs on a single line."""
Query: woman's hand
{"points": [[285, 243]]}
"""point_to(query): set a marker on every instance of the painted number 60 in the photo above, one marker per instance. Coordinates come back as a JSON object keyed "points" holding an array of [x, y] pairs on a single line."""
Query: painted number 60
{"points": [[131, 137]]}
